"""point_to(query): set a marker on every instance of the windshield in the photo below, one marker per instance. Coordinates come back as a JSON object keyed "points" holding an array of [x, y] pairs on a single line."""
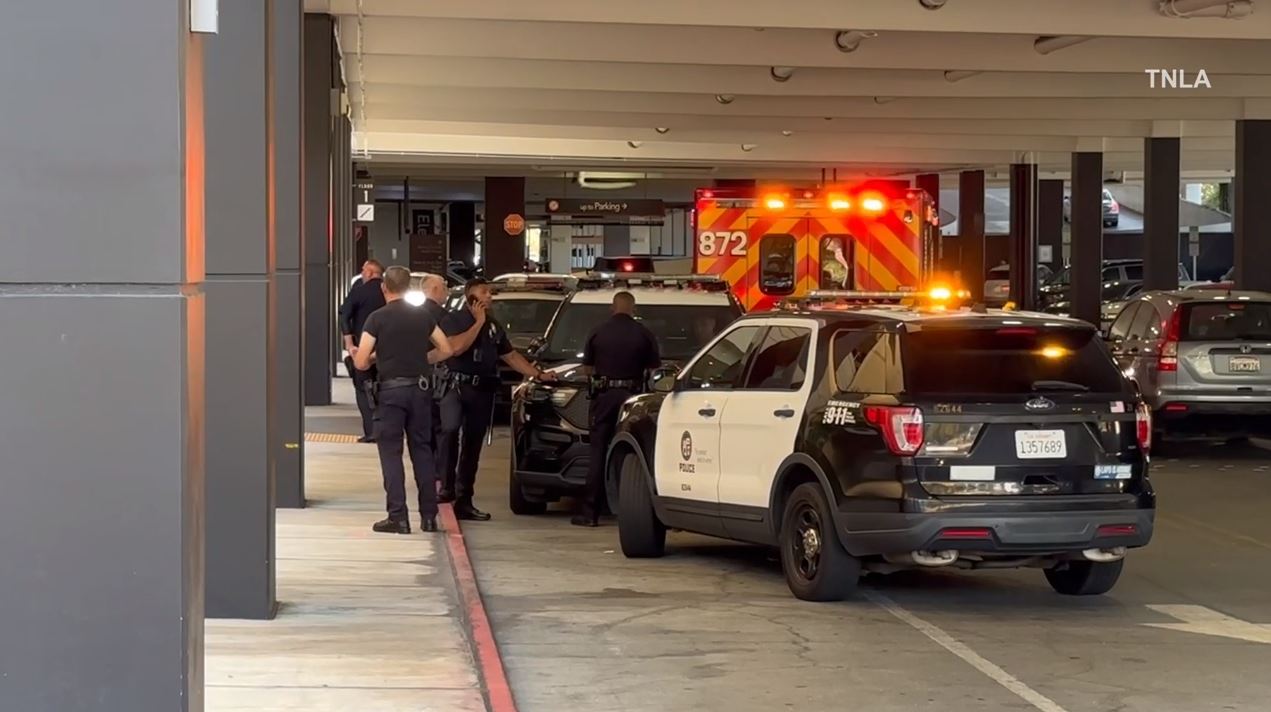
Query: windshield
{"points": [[680, 330], [1227, 321], [524, 316], [1009, 360]]}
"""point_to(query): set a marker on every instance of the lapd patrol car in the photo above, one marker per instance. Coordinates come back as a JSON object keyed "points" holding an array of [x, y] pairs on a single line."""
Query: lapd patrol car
{"points": [[550, 420], [883, 437], [524, 303]]}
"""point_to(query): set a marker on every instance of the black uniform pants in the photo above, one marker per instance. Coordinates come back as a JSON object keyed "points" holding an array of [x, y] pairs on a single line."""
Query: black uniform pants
{"points": [[360, 379], [604, 422], [406, 411], [465, 417]]}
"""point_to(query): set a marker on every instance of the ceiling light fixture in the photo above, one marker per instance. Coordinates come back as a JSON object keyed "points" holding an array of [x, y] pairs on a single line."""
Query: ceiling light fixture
{"points": [[932, 4], [748, 147], [1053, 43], [781, 74], [662, 129], [787, 132], [1185, 9], [725, 99], [957, 75], [850, 40], [635, 144]]}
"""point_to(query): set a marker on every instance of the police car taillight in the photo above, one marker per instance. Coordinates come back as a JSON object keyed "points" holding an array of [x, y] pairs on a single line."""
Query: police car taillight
{"points": [[901, 427], [1143, 426]]}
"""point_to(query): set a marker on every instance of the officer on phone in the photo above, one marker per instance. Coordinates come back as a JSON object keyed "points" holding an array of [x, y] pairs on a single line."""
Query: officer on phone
{"points": [[479, 343], [617, 357], [403, 341]]}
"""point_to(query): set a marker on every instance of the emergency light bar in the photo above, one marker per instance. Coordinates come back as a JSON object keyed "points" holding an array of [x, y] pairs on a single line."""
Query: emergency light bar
{"points": [[938, 297], [600, 280], [519, 281]]}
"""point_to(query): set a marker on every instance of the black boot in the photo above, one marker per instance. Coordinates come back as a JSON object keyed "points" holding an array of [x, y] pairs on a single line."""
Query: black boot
{"points": [[429, 524], [585, 520], [392, 526], [465, 510], [445, 496]]}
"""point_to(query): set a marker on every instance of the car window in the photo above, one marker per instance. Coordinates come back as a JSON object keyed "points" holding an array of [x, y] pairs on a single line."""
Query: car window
{"points": [[524, 316], [721, 366], [1134, 272], [680, 330], [1182, 273], [1000, 272], [860, 358], [1226, 321], [1143, 321], [781, 361], [836, 262], [1120, 328], [1012, 360], [777, 264], [1111, 274]]}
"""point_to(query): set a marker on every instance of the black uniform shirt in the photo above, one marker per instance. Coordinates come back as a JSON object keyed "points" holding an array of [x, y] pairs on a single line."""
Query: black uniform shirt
{"points": [[436, 311], [403, 338], [482, 358], [621, 348], [361, 302]]}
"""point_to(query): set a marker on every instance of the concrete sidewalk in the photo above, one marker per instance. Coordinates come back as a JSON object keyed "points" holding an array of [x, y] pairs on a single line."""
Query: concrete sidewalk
{"points": [[367, 621]]}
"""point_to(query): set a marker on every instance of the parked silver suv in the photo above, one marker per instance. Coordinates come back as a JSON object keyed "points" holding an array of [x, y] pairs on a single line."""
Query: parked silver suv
{"points": [[1201, 358]]}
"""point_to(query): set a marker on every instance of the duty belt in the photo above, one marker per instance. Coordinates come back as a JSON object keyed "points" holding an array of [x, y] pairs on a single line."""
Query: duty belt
{"points": [[603, 383], [421, 382], [474, 380]]}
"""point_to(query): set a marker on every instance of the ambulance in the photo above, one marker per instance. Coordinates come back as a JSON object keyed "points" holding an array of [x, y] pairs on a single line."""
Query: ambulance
{"points": [[774, 244]]}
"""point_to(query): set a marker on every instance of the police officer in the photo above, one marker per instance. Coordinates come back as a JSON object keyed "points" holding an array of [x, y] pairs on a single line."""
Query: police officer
{"points": [[479, 343], [363, 299], [617, 356], [434, 288], [403, 341]]}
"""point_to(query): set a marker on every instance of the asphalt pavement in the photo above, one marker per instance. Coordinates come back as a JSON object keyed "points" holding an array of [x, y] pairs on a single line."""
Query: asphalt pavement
{"points": [[713, 626]]}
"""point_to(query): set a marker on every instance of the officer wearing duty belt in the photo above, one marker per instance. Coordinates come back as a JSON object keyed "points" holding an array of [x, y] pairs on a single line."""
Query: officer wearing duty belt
{"points": [[617, 357], [404, 342]]}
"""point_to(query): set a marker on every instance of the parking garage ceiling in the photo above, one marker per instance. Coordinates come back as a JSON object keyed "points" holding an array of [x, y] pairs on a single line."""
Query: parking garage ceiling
{"points": [[867, 87]]}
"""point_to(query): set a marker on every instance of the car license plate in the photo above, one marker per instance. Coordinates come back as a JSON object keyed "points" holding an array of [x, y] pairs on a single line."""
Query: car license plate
{"points": [[1244, 364], [1040, 444]]}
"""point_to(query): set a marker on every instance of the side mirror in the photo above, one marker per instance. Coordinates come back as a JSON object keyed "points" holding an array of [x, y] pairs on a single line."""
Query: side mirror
{"points": [[535, 348], [664, 380]]}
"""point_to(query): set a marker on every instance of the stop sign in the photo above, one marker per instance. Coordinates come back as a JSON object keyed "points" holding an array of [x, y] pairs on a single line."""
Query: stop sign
{"points": [[514, 224]]}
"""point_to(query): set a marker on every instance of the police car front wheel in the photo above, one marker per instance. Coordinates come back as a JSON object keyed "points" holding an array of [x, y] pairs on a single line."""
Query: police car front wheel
{"points": [[816, 565]]}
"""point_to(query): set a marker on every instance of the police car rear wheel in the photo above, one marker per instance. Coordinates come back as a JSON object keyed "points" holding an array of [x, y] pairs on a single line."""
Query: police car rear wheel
{"points": [[517, 501], [1085, 578], [640, 533], [816, 565]]}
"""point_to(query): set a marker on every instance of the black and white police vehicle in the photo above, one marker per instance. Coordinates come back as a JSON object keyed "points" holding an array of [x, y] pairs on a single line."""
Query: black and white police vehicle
{"points": [[549, 421], [524, 303], [873, 438]]}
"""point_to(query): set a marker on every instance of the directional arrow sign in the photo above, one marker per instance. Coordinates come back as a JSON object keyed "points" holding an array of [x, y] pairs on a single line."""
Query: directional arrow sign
{"points": [[1207, 621]]}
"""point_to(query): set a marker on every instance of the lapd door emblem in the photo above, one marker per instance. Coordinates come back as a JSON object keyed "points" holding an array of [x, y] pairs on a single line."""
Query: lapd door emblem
{"points": [[1040, 403], [686, 445]]}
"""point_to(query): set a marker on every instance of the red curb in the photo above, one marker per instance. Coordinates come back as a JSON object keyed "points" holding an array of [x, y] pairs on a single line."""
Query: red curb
{"points": [[489, 663]]}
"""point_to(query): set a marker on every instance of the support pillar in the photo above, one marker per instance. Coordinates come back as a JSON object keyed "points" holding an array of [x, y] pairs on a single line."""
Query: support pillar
{"points": [[971, 231], [320, 68], [1252, 186], [1023, 254], [240, 316], [101, 299], [1160, 213], [1086, 221], [1050, 223], [617, 240], [502, 252], [463, 231], [288, 382]]}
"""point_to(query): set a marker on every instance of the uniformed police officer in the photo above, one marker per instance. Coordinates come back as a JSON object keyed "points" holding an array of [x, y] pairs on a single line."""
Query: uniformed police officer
{"points": [[364, 298], [479, 343], [617, 356], [434, 288], [404, 341]]}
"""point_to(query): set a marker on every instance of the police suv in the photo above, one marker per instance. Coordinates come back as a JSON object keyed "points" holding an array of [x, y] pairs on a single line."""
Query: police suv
{"points": [[879, 437], [550, 420]]}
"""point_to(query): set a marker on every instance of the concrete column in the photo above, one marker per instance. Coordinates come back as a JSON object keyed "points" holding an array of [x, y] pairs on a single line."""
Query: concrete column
{"points": [[240, 316], [1160, 213], [342, 253], [502, 252], [286, 131], [1086, 222], [1050, 222], [463, 231], [101, 302], [320, 68], [1252, 187], [617, 240], [971, 230], [1023, 253]]}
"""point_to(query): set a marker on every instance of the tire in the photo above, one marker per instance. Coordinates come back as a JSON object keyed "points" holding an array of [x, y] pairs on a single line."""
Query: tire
{"points": [[1085, 578], [517, 501], [828, 573], [640, 533]]}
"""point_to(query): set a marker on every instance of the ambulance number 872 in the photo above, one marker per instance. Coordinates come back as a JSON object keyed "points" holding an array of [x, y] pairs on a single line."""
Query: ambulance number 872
{"points": [[722, 243]]}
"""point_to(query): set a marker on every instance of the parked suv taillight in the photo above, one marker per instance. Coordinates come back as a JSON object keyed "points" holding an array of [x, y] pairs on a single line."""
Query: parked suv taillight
{"points": [[1143, 426], [901, 427], [1168, 358]]}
